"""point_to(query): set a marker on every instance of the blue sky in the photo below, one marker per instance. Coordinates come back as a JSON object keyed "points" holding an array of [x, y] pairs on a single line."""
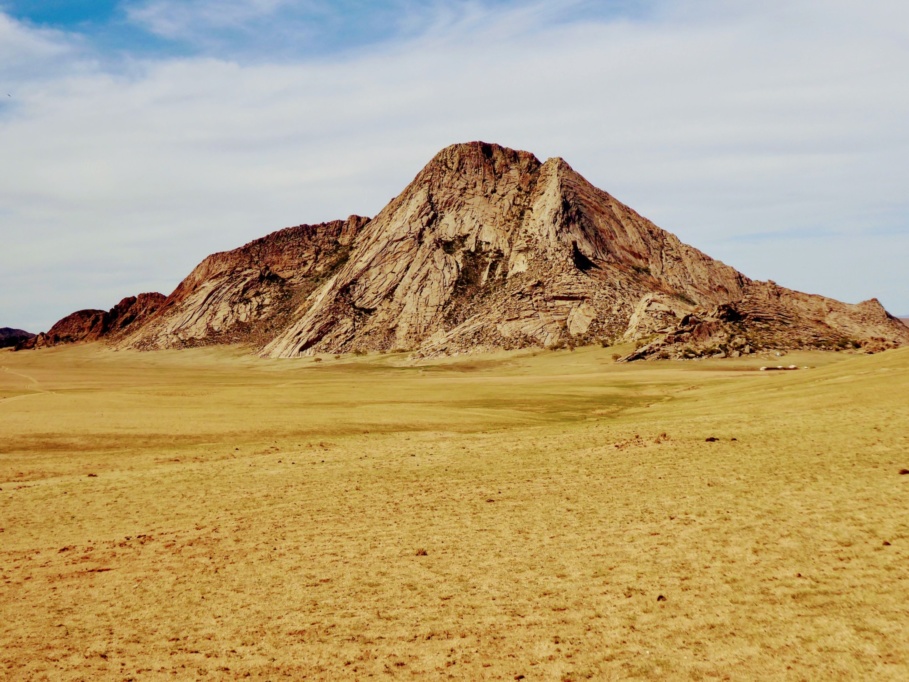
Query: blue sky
{"points": [[64, 14], [139, 136], [274, 29]]}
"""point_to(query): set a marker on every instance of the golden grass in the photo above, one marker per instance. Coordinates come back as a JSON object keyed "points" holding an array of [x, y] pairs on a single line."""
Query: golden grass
{"points": [[207, 514]]}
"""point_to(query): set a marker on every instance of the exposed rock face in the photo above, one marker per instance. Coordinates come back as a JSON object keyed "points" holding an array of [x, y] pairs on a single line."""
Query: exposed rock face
{"points": [[771, 317], [82, 325], [129, 313], [12, 337], [655, 313], [488, 248], [92, 325], [248, 295]]}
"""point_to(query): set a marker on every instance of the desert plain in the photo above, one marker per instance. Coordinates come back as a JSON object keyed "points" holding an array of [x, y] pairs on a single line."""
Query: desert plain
{"points": [[545, 515]]}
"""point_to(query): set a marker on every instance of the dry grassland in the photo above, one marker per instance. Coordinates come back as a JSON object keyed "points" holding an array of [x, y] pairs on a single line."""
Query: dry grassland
{"points": [[208, 515]]}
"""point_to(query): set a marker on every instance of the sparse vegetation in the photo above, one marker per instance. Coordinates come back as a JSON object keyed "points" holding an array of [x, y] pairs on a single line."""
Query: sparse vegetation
{"points": [[208, 514]]}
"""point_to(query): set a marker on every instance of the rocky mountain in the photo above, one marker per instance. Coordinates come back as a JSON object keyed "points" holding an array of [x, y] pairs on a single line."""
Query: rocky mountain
{"points": [[250, 294], [93, 325], [11, 337], [489, 248]]}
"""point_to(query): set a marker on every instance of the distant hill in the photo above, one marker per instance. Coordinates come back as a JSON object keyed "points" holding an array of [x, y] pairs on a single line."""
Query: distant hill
{"points": [[11, 337], [93, 325], [489, 248]]}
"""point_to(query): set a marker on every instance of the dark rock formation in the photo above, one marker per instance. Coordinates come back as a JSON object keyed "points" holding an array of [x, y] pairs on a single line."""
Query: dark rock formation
{"points": [[12, 337], [93, 325]]}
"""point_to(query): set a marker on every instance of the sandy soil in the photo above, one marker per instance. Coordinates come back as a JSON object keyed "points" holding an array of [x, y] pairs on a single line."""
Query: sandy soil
{"points": [[208, 515]]}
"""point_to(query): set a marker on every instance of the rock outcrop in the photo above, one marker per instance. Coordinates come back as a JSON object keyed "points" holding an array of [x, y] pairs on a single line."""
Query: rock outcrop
{"points": [[12, 337], [770, 317], [93, 325], [249, 295], [488, 248]]}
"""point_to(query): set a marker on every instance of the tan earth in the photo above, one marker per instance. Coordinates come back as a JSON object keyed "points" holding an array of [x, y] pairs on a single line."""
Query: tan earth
{"points": [[549, 515]]}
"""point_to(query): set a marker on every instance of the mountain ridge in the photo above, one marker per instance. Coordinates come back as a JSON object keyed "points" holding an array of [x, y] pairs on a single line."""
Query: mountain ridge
{"points": [[489, 248], [95, 325], [243, 295]]}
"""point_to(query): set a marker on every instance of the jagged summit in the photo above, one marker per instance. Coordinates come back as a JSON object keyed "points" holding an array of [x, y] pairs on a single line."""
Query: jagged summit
{"points": [[467, 157], [488, 248]]}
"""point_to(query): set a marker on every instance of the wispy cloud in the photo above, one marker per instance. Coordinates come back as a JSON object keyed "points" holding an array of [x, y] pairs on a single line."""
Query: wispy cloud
{"points": [[187, 19], [718, 121], [31, 52]]}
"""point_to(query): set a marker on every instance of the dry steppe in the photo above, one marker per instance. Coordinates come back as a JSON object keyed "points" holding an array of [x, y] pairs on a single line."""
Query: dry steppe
{"points": [[205, 514]]}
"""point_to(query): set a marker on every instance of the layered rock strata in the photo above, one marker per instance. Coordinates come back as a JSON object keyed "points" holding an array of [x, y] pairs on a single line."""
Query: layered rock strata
{"points": [[250, 294], [772, 318], [488, 248]]}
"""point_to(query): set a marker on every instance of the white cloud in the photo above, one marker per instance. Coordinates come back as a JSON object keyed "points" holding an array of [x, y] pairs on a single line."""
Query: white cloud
{"points": [[28, 52], [187, 19], [731, 128]]}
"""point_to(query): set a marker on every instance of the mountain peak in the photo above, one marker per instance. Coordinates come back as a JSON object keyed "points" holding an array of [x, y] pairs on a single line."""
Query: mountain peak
{"points": [[488, 248], [478, 154]]}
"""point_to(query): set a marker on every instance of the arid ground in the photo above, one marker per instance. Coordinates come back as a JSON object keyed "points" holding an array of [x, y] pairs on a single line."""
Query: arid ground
{"points": [[207, 514]]}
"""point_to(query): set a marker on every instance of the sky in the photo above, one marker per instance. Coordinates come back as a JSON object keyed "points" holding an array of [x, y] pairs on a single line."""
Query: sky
{"points": [[139, 136]]}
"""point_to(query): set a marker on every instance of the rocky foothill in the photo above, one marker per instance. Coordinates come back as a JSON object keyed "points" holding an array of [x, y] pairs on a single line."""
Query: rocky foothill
{"points": [[13, 337], [251, 294], [95, 325], [488, 248]]}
